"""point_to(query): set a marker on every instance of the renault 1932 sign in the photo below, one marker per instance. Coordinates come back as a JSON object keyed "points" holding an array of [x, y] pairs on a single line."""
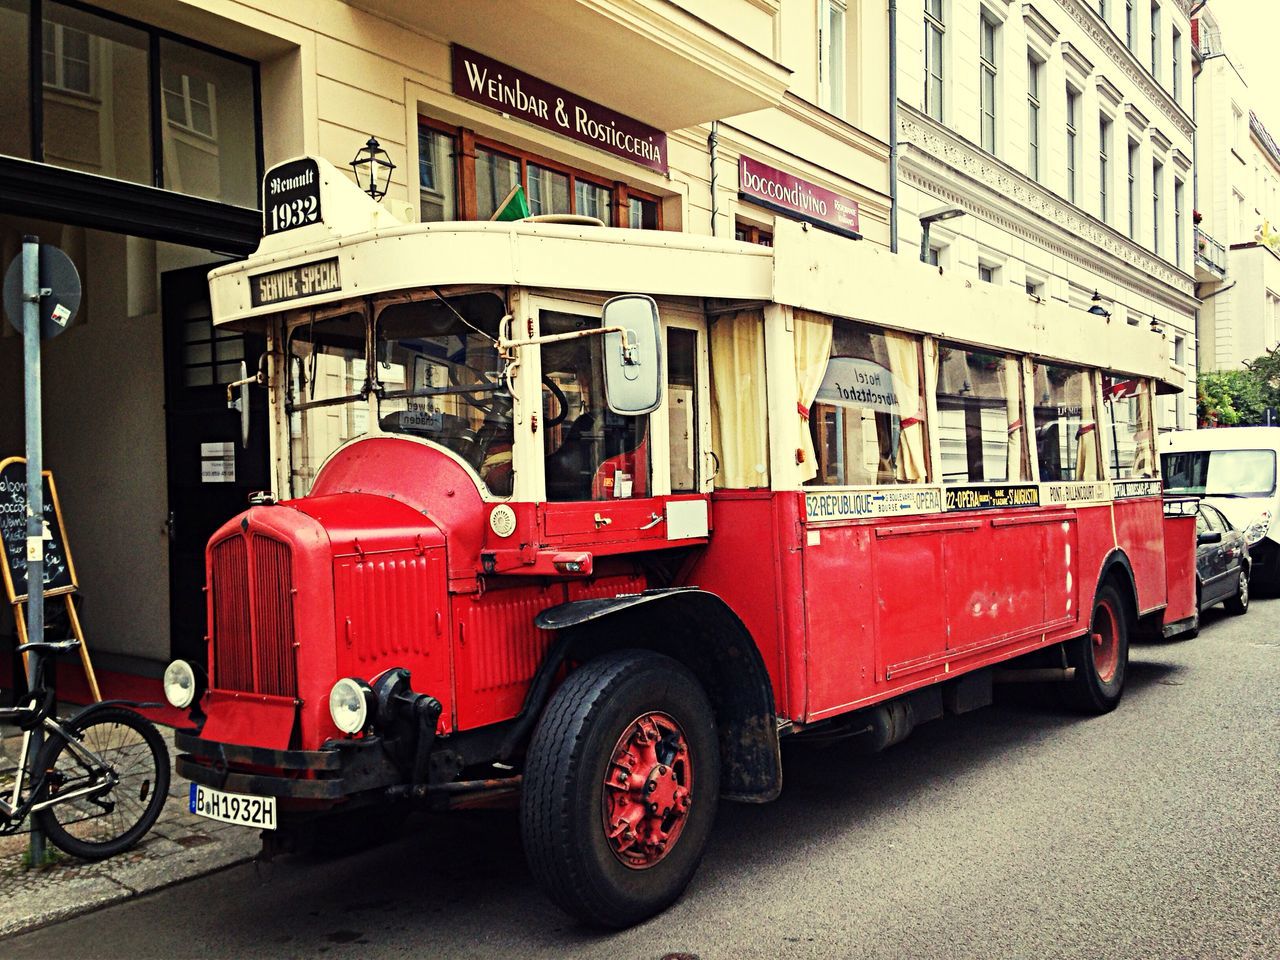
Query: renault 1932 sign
{"points": [[291, 196]]}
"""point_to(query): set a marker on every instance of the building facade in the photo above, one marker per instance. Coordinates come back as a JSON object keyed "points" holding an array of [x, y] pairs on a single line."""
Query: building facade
{"points": [[1239, 203], [136, 135], [1061, 130]]}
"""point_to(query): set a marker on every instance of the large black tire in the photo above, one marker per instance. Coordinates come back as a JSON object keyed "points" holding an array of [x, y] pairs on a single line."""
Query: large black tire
{"points": [[1100, 657], [1239, 604], [602, 714], [107, 822]]}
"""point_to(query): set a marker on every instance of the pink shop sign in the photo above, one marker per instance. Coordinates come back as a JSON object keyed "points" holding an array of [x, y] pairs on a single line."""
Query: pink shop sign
{"points": [[483, 80], [796, 198]]}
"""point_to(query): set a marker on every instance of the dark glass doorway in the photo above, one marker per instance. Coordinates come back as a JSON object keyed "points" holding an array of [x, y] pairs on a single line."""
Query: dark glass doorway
{"points": [[210, 474]]}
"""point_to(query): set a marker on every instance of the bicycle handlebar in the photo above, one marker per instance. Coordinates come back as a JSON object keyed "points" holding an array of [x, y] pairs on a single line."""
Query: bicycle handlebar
{"points": [[54, 646]]}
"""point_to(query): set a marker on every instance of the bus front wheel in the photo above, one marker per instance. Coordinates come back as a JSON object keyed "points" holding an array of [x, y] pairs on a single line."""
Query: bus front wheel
{"points": [[1100, 657], [620, 788]]}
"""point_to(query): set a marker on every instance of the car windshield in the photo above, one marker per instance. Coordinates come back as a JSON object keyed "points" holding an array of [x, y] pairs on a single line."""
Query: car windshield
{"points": [[1223, 473]]}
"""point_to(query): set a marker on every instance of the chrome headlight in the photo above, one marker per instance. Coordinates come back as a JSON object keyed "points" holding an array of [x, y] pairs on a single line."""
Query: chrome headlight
{"points": [[1258, 529], [350, 704], [180, 684]]}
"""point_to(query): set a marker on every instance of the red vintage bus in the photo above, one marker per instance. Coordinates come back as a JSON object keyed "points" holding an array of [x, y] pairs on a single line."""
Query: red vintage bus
{"points": [[590, 519]]}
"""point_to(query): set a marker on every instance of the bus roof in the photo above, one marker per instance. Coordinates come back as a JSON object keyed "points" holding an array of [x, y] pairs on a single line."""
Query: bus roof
{"points": [[1221, 438], [358, 248]]}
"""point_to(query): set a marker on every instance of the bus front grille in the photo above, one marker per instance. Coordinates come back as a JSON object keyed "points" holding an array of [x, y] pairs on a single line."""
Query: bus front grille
{"points": [[251, 580]]}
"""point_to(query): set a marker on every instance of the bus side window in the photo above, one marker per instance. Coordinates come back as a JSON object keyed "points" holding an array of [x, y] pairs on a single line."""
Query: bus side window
{"points": [[1066, 424], [866, 414], [682, 407], [981, 420], [591, 452], [1126, 405]]}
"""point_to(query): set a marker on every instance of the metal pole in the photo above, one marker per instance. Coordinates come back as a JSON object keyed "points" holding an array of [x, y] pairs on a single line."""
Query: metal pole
{"points": [[924, 240], [893, 126], [31, 293]]}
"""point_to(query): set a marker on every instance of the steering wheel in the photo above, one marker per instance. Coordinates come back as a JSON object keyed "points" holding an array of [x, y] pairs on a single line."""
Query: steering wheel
{"points": [[561, 401]]}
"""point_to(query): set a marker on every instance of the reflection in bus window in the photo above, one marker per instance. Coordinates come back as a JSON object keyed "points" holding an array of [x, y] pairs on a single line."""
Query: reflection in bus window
{"points": [[682, 407], [866, 414], [591, 452], [1066, 434], [326, 392], [739, 409], [980, 418], [440, 378], [1126, 414]]}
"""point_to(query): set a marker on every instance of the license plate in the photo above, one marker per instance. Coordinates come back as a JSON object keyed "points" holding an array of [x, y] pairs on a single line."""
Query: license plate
{"points": [[237, 808]]}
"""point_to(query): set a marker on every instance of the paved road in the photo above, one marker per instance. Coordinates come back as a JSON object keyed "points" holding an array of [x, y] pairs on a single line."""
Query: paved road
{"points": [[1017, 831]]}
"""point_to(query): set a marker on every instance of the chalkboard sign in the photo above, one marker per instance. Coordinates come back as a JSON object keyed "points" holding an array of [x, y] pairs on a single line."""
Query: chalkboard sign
{"points": [[59, 572]]}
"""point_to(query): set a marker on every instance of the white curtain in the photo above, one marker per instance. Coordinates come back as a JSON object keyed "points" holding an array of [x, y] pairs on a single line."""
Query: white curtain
{"points": [[739, 403], [813, 352], [1144, 457], [1017, 461], [904, 364]]}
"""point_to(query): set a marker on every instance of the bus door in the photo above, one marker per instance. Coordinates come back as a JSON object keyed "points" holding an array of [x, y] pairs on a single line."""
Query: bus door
{"points": [[607, 476]]}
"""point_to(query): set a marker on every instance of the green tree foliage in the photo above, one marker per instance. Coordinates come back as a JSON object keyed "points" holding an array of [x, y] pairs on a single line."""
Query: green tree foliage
{"points": [[1239, 398]]}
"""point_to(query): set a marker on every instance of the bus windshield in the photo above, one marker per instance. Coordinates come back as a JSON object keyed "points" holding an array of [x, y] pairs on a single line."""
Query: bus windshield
{"points": [[434, 372], [1221, 473]]}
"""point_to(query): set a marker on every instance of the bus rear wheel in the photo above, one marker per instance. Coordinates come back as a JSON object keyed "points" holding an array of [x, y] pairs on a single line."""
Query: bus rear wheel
{"points": [[620, 788], [1100, 657]]}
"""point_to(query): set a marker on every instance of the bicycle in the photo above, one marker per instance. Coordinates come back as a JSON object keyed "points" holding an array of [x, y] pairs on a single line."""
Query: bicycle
{"points": [[99, 780]]}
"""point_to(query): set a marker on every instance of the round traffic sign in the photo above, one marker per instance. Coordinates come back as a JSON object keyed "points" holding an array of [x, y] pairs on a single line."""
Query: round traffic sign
{"points": [[57, 275]]}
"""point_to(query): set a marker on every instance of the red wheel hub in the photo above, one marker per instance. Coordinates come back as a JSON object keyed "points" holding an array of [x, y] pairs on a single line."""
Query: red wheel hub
{"points": [[648, 788], [1105, 640]]}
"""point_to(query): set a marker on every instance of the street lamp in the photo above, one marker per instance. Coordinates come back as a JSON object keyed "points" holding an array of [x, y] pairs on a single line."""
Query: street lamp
{"points": [[1098, 310], [939, 213], [372, 167]]}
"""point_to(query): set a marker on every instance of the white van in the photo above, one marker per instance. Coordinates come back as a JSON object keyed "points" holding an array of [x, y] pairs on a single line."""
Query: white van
{"points": [[1233, 468]]}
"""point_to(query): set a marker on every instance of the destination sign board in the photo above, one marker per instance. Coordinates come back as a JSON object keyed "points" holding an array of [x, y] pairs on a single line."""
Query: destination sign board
{"points": [[1001, 496], [871, 502], [293, 283]]}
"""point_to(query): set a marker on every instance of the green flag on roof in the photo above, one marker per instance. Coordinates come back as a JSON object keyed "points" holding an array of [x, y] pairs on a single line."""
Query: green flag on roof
{"points": [[514, 206]]}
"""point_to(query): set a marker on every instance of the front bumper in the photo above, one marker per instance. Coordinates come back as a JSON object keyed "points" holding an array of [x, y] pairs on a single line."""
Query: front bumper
{"points": [[340, 769]]}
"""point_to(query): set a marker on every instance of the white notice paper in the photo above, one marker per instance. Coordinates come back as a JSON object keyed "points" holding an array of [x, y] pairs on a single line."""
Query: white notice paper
{"points": [[217, 463]]}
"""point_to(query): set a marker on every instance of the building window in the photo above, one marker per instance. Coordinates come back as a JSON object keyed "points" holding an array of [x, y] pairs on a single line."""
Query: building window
{"points": [[1033, 117], [935, 256], [67, 64], [1104, 167], [1073, 103], [1133, 190], [1237, 127], [934, 30], [1155, 40], [1241, 230], [750, 233], [189, 103], [988, 273], [437, 176], [831, 82], [496, 169], [1128, 23], [1175, 51], [1157, 174], [1102, 9], [988, 84], [1177, 222]]}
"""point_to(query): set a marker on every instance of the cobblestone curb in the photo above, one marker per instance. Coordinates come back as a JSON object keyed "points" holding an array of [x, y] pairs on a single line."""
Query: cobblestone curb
{"points": [[180, 847]]}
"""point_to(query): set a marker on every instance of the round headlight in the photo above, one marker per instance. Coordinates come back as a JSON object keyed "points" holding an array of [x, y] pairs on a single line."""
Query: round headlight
{"points": [[349, 703], [180, 684]]}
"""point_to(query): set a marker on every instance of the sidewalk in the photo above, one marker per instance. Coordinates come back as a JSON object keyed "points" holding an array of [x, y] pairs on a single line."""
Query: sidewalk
{"points": [[179, 847]]}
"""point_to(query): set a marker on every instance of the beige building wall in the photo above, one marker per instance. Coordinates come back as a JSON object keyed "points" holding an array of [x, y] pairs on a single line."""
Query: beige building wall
{"points": [[1022, 226], [1239, 183]]}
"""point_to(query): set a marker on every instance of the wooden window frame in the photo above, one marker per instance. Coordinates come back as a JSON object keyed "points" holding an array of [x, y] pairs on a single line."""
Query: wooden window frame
{"points": [[467, 140]]}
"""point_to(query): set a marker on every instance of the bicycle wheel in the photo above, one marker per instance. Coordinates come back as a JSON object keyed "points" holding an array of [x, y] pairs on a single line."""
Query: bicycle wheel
{"points": [[125, 794]]}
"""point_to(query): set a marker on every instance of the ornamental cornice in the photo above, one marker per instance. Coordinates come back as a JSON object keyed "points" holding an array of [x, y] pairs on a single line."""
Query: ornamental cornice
{"points": [[1181, 160], [1136, 116], [1039, 24], [1087, 19], [956, 171], [1160, 141], [1076, 60], [1109, 92]]}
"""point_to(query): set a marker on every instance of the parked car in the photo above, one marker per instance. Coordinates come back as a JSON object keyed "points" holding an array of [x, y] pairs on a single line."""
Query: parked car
{"points": [[1234, 469], [1223, 565]]}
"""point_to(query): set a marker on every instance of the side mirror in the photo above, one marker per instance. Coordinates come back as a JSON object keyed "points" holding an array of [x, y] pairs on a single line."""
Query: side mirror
{"points": [[241, 403], [632, 367], [1206, 538]]}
